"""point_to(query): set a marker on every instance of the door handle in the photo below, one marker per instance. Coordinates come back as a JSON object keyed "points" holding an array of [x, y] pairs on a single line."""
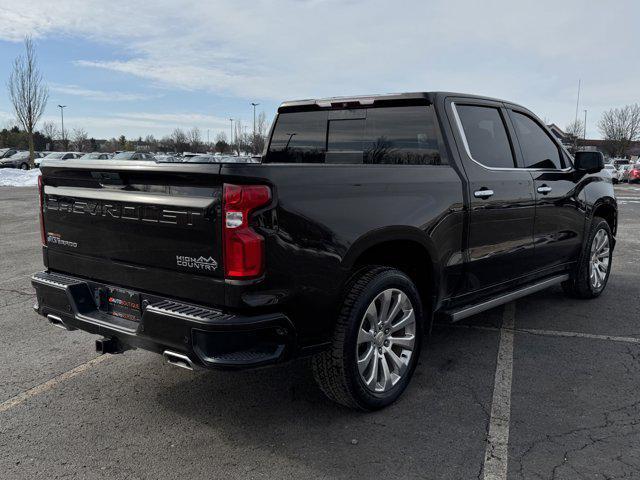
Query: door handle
{"points": [[544, 189], [483, 193]]}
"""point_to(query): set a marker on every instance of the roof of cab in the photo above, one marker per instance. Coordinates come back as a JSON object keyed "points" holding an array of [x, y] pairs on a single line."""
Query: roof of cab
{"points": [[360, 101]]}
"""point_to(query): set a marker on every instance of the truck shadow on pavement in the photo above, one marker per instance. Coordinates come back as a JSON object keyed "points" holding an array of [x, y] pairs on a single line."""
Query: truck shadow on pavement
{"points": [[279, 413]]}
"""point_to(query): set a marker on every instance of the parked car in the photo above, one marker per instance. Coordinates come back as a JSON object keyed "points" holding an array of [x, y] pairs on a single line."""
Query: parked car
{"points": [[367, 218], [19, 159], [58, 156], [167, 159], [623, 174], [633, 175], [96, 156], [610, 169], [134, 156], [7, 152], [620, 161]]}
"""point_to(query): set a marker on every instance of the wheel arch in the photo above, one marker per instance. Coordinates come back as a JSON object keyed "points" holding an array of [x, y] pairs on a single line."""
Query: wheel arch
{"points": [[406, 248], [607, 208]]}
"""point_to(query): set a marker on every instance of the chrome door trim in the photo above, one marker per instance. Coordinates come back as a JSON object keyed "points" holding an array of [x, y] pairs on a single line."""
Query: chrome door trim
{"points": [[460, 128]]}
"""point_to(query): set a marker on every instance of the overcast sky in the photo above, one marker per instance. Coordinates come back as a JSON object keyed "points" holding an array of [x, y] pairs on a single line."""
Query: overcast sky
{"points": [[125, 67]]}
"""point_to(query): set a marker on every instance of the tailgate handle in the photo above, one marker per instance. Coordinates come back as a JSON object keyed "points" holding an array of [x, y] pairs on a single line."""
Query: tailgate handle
{"points": [[107, 178]]}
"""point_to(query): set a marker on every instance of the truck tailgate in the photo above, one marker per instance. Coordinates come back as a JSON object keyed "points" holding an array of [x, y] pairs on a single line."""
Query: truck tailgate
{"points": [[142, 225]]}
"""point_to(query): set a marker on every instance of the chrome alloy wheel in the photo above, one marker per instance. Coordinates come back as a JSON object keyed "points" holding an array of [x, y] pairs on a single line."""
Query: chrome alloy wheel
{"points": [[386, 340], [599, 264]]}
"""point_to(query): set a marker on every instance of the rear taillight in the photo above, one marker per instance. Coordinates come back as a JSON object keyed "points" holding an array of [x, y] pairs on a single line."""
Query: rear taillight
{"points": [[41, 205], [243, 247]]}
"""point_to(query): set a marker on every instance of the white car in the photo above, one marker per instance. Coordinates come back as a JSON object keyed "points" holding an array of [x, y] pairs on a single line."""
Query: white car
{"points": [[611, 169], [58, 156], [623, 172], [96, 156]]}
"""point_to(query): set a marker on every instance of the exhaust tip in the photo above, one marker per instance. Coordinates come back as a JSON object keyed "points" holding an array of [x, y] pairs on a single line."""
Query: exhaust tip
{"points": [[178, 360], [57, 321]]}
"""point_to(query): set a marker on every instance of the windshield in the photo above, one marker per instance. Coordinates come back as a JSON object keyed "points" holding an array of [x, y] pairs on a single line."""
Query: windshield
{"points": [[55, 155]]}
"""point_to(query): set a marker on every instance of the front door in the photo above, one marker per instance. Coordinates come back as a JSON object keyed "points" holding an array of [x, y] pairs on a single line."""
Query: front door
{"points": [[560, 216], [502, 201]]}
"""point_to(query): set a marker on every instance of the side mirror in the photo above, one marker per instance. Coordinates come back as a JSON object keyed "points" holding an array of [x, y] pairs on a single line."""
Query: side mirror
{"points": [[589, 162]]}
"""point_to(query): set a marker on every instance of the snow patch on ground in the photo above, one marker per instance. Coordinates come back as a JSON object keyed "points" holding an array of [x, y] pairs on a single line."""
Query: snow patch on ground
{"points": [[14, 177]]}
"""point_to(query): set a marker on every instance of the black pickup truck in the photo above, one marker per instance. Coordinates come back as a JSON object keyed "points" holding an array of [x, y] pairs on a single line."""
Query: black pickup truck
{"points": [[367, 218]]}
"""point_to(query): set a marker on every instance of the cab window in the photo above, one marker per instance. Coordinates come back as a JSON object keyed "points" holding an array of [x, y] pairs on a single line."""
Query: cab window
{"points": [[538, 149]]}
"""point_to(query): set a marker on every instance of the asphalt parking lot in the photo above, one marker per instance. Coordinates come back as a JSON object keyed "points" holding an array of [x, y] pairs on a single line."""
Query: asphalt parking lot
{"points": [[556, 396]]}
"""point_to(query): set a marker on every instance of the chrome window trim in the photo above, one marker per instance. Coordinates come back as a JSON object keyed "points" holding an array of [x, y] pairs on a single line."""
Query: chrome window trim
{"points": [[460, 128]]}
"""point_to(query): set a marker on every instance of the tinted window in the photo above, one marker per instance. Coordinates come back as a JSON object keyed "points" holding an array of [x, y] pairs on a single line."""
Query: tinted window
{"points": [[401, 136], [345, 135], [486, 135], [538, 150], [299, 137], [394, 135]]}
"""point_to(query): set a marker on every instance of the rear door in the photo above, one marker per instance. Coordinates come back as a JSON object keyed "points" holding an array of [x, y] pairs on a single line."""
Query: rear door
{"points": [[560, 215], [502, 203]]}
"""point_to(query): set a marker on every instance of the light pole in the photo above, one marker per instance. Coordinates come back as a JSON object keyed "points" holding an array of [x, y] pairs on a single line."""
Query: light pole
{"points": [[585, 125], [231, 137], [253, 140], [62, 120], [578, 99]]}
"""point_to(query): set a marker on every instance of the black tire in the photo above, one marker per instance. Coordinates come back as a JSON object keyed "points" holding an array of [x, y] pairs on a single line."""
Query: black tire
{"points": [[24, 166], [336, 370], [579, 285]]}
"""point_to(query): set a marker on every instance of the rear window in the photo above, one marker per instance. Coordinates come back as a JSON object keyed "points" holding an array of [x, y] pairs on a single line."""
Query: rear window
{"points": [[389, 135], [299, 137]]}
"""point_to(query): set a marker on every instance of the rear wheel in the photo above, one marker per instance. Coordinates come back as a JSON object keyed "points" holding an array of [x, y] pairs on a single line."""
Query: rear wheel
{"points": [[592, 272], [376, 341], [24, 166]]}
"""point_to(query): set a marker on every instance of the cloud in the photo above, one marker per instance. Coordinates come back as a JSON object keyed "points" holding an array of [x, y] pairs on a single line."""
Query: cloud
{"points": [[99, 95], [137, 124]]}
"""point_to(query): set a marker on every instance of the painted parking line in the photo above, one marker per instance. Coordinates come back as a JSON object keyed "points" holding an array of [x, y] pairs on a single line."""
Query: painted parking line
{"points": [[593, 336], [497, 451], [551, 333], [50, 384]]}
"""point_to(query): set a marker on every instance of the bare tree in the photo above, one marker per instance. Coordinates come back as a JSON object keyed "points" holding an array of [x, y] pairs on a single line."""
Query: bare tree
{"points": [[50, 131], [179, 139], [619, 127], [221, 144], [574, 131], [80, 139], [260, 136], [242, 139], [27, 91], [194, 139]]}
